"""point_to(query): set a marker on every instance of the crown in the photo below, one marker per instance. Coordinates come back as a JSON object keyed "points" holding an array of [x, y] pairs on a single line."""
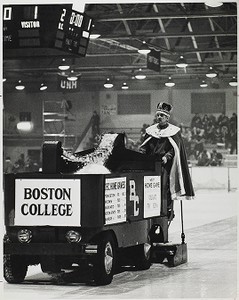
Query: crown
{"points": [[165, 108]]}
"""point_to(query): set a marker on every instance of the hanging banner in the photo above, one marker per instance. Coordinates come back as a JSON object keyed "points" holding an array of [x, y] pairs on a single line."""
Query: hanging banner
{"points": [[63, 84], [153, 60], [108, 109]]}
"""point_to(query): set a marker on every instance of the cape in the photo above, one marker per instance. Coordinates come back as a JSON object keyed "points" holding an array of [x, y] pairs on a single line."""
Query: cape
{"points": [[180, 180]]}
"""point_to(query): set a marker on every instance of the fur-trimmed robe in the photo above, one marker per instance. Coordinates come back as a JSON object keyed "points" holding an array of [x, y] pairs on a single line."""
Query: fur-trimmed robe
{"points": [[180, 184]]}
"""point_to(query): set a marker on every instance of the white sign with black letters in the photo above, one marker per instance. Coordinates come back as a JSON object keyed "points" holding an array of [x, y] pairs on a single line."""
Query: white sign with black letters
{"points": [[54, 202], [115, 200], [152, 196]]}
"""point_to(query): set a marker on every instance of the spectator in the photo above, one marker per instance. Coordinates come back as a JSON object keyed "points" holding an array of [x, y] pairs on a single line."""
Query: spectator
{"points": [[199, 143], [196, 121], [225, 136], [233, 140], [210, 133], [217, 135], [187, 138], [205, 121], [8, 167], [31, 165], [212, 120], [19, 165], [204, 158], [95, 123], [216, 158], [223, 120], [233, 121]]}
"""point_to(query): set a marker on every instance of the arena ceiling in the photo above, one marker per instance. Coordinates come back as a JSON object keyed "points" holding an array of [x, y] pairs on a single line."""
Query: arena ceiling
{"points": [[205, 36]]}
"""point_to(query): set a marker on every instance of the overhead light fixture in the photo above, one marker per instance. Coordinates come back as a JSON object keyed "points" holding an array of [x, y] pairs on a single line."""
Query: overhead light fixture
{"points": [[181, 63], [170, 82], [72, 76], [43, 86], [140, 75], [25, 124], [124, 86], [211, 73], [233, 81], [214, 3], [203, 84], [63, 66], [94, 36], [144, 49], [108, 84], [20, 86]]}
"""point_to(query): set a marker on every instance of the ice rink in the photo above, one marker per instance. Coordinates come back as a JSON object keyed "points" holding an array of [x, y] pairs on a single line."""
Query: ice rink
{"points": [[210, 223]]}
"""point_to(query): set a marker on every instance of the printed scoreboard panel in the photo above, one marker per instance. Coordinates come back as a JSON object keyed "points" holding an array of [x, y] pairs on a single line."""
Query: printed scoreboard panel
{"points": [[73, 32], [51, 202], [152, 196], [132, 198], [115, 200], [49, 26]]}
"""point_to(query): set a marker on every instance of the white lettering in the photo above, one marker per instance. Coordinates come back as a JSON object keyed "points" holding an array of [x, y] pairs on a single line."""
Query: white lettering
{"points": [[133, 197], [30, 24], [68, 85], [60, 26]]}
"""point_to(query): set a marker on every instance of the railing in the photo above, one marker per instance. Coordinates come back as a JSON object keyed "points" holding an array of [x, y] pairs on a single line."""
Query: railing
{"points": [[214, 177]]}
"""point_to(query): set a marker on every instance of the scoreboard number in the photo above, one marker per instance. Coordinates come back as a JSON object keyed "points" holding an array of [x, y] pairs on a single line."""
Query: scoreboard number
{"points": [[76, 19], [7, 13]]}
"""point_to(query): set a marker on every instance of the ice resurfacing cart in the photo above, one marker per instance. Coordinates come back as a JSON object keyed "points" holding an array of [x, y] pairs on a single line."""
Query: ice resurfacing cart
{"points": [[98, 208]]}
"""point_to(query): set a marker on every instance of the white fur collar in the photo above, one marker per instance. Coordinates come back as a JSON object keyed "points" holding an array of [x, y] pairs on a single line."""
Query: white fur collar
{"points": [[158, 133]]}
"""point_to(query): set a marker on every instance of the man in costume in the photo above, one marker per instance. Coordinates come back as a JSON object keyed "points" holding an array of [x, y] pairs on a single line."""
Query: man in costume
{"points": [[164, 141]]}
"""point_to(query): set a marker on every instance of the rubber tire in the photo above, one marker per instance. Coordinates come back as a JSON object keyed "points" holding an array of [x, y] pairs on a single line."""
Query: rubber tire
{"points": [[15, 269], [103, 273], [143, 256]]}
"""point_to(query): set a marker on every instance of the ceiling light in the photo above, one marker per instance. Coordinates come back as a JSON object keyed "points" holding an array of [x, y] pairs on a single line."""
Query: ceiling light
{"points": [[233, 81], [181, 63], [170, 82], [25, 124], [203, 84], [72, 76], [124, 86], [20, 86], [94, 36], [63, 66], [213, 3], [144, 49], [43, 87], [140, 75], [211, 73], [108, 84]]}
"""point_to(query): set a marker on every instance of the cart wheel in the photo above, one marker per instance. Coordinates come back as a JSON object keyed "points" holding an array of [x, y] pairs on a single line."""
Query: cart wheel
{"points": [[104, 264], [158, 257], [15, 269], [143, 256]]}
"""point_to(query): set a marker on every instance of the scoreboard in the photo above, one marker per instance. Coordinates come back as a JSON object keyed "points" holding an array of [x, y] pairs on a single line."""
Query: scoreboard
{"points": [[48, 26], [73, 32]]}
